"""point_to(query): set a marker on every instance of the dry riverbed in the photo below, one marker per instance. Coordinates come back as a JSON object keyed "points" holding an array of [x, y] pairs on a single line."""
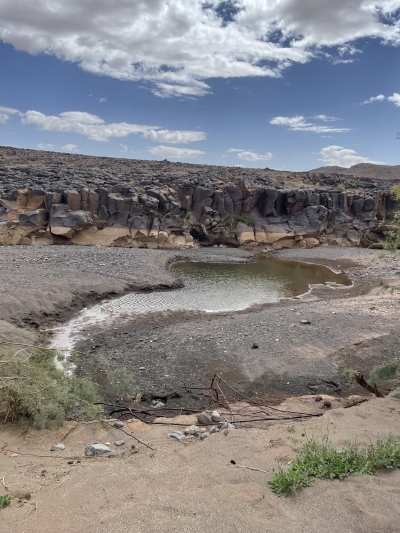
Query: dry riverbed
{"points": [[191, 486], [349, 327]]}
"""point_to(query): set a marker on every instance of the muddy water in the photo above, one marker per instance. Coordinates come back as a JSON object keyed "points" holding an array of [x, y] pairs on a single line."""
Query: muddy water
{"points": [[210, 287]]}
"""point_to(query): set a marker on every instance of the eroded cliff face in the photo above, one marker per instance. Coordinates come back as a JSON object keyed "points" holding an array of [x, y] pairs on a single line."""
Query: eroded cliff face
{"points": [[179, 215], [51, 198]]}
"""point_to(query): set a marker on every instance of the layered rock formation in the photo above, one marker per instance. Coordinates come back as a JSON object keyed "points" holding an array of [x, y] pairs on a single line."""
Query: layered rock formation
{"points": [[48, 198]]}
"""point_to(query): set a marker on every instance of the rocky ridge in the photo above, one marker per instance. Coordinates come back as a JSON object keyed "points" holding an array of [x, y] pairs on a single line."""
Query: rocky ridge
{"points": [[51, 198]]}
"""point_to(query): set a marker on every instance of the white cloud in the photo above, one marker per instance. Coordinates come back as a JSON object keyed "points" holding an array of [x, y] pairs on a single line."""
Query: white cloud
{"points": [[299, 123], [250, 155], [178, 44], [72, 148], [325, 118], [6, 112], [96, 129], [102, 100], [83, 123], [343, 157], [123, 148], [42, 146], [395, 98], [378, 98], [175, 153], [174, 137]]}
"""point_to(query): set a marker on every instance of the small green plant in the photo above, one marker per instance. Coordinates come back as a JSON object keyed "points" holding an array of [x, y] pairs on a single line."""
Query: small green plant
{"points": [[396, 192], [318, 460], [392, 241], [290, 429], [233, 220], [5, 501], [340, 187], [120, 383], [384, 371]]}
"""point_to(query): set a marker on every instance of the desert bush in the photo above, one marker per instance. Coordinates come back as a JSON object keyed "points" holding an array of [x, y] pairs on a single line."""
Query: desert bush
{"points": [[32, 387], [120, 383], [396, 192], [318, 460]]}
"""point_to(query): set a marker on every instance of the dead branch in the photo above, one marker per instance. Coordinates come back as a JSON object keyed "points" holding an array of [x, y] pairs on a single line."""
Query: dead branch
{"points": [[133, 437], [250, 468], [357, 402], [361, 381]]}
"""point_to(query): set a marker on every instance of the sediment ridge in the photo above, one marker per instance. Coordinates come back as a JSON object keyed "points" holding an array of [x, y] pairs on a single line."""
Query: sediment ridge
{"points": [[51, 198]]}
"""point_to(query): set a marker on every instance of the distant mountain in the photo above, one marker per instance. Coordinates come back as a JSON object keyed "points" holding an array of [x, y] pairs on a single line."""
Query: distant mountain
{"points": [[363, 170]]}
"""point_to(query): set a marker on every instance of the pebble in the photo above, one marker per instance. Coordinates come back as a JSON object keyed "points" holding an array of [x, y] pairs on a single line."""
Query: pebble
{"points": [[215, 416], [118, 425], [227, 425], [213, 429], [96, 449], [119, 442], [204, 419], [255, 346], [178, 435], [304, 321], [318, 398], [192, 430], [204, 435], [58, 447]]}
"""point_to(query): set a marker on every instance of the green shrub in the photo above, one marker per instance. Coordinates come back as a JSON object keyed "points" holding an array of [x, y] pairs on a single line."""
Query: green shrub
{"points": [[121, 383], [396, 192], [323, 461], [5, 501], [386, 370], [32, 387]]}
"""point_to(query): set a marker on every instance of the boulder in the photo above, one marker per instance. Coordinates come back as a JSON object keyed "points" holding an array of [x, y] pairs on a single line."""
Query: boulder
{"points": [[96, 449], [244, 233]]}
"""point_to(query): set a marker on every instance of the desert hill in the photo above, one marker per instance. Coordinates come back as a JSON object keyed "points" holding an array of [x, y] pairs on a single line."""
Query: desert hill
{"points": [[363, 170]]}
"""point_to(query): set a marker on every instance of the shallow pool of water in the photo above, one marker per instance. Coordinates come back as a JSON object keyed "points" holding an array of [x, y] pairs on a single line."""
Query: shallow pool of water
{"points": [[210, 287]]}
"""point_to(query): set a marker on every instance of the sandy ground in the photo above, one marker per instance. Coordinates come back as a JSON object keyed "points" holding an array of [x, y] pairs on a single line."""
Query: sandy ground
{"points": [[191, 487]]}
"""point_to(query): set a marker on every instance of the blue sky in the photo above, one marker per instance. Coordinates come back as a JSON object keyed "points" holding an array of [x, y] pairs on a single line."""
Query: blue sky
{"points": [[287, 84]]}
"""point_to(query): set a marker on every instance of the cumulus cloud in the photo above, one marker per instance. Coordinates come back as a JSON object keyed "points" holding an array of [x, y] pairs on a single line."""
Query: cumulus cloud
{"points": [[299, 123], [178, 44], [96, 129], [102, 100], [343, 157], [172, 152], [395, 98], [72, 148], [48, 146], [250, 155], [6, 112], [378, 98], [123, 148]]}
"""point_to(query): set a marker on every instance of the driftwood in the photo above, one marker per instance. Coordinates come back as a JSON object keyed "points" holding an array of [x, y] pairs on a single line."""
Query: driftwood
{"points": [[361, 381]]}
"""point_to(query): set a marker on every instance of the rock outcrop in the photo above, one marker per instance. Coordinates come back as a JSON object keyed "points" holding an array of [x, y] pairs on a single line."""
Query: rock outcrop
{"points": [[174, 205]]}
